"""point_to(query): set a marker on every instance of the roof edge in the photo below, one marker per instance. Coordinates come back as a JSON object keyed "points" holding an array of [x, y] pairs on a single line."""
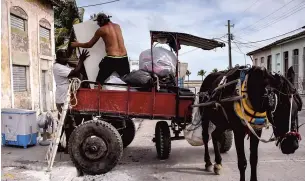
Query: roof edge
{"points": [[281, 41]]}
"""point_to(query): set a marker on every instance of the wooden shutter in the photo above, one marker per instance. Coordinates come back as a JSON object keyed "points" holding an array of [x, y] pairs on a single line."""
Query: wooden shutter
{"points": [[19, 78], [17, 22], [44, 33]]}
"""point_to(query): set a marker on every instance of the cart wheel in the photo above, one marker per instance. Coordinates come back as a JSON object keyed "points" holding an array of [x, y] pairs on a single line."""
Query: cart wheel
{"points": [[163, 140], [226, 141], [95, 147], [128, 133]]}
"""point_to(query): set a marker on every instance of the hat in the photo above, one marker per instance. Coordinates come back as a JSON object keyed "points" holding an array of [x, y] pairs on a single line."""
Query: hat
{"points": [[100, 16]]}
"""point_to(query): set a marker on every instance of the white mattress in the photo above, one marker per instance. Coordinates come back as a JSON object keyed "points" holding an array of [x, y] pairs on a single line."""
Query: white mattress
{"points": [[84, 32]]}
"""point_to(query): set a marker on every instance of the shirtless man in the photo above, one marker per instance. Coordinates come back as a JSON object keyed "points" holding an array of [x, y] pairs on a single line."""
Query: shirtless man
{"points": [[116, 59]]}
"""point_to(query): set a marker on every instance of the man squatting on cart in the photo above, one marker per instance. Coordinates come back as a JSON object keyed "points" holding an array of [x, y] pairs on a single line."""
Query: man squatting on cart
{"points": [[62, 72], [116, 59]]}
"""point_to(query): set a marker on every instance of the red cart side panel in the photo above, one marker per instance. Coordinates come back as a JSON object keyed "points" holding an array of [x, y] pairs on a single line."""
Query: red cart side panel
{"points": [[165, 105], [184, 107], [129, 103], [140, 103], [87, 100]]}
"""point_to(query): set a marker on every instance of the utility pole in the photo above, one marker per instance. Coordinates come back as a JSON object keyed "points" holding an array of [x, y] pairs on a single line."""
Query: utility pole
{"points": [[229, 42]]}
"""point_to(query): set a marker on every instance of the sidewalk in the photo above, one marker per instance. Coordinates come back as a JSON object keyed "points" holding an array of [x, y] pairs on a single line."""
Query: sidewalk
{"points": [[30, 164]]}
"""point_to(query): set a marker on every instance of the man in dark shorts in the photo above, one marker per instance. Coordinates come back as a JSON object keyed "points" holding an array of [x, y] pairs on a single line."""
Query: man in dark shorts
{"points": [[116, 59]]}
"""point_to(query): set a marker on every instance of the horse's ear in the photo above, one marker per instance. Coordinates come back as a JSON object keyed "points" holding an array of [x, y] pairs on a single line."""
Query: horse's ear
{"points": [[290, 74]]}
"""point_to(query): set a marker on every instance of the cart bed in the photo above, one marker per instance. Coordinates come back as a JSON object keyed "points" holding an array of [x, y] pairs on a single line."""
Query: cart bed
{"points": [[132, 103]]}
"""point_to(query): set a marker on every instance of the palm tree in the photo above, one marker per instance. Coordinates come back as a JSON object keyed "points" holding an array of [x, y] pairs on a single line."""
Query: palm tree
{"points": [[201, 73], [214, 70], [188, 73]]}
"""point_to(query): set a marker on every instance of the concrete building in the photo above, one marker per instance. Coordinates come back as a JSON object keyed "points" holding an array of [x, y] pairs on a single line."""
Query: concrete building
{"points": [[282, 54], [193, 85], [28, 52], [134, 64]]}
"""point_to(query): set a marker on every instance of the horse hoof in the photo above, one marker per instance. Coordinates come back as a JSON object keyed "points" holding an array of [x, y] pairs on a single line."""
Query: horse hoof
{"points": [[217, 169], [209, 168]]}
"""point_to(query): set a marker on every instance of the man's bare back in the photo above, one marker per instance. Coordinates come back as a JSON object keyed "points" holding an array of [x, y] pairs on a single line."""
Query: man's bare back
{"points": [[113, 38]]}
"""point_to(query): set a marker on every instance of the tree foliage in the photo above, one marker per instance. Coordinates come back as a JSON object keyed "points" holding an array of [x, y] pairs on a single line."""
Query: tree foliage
{"points": [[201, 73], [65, 16]]}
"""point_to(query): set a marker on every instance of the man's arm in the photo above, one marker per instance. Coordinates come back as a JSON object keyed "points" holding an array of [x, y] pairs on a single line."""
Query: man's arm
{"points": [[75, 72], [90, 43]]}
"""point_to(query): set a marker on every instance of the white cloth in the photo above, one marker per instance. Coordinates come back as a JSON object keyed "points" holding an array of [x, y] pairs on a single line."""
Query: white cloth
{"points": [[61, 73]]}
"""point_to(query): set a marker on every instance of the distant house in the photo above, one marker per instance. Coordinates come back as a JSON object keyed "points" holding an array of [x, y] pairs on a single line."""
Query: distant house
{"points": [[134, 64], [28, 53], [193, 85], [281, 54]]}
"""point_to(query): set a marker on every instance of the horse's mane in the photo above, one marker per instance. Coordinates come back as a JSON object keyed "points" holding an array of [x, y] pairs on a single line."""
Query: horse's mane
{"points": [[290, 89]]}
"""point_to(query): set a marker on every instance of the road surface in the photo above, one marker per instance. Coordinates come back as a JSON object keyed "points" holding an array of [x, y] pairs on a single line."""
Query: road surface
{"points": [[186, 163], [140, 163]]}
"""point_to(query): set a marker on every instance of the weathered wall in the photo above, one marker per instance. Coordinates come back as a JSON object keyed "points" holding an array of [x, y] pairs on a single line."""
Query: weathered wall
{"points": [[5, 63], [27, 49]]}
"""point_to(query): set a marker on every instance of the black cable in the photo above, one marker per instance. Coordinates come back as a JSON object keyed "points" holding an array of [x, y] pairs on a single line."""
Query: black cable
{"points": [[297, 9], [248, 9], [267, 15], [99, 4], [273, 37]]}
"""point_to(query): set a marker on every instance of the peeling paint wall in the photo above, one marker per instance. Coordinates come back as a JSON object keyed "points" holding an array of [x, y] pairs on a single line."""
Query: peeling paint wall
{"points": [[27, 48]]}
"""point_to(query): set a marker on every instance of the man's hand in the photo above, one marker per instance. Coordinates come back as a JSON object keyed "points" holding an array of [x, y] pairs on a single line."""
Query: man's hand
{"points": [[84, 55], [74, 44]]}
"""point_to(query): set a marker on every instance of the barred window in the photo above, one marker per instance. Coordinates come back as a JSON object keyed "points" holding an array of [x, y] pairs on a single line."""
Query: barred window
{"points": [[19, 78]]}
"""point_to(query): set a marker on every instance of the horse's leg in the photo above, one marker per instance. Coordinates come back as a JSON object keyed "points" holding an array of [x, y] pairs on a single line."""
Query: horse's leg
{"points": [[215, 138], [239, 136], [205, 136], [253, 154]]}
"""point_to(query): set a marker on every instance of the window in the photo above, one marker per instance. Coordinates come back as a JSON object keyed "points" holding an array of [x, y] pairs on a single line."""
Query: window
{"points": [[303, 83], [269, 63], [44, 33], [17, 22], [285, 63], [255, 62], [19, 78], [295, 60], [262, 61], [278, 67]]}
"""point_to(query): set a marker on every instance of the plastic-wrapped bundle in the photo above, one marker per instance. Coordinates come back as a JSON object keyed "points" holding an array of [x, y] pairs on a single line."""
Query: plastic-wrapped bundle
{"points": [[165, 61], [138, 78]]}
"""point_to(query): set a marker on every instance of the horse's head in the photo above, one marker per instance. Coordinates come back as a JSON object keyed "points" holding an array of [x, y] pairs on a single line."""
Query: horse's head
{"points": [[285, 116], [258, 81]]}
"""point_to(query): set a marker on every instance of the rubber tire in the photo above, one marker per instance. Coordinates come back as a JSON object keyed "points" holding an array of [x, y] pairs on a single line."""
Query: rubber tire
{"points": [[163, 140], [128, 133], [226, 141], [112, 139]]}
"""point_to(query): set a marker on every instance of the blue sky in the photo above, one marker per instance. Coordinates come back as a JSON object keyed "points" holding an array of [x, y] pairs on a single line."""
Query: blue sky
{"points": [[205, 18]]}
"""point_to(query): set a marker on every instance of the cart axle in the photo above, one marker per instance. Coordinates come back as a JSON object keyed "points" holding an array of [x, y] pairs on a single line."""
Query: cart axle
{"points": [[172, 138]]}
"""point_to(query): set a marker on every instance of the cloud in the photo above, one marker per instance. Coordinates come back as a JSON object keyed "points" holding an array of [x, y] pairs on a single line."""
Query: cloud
{"points": [[205, 18]]}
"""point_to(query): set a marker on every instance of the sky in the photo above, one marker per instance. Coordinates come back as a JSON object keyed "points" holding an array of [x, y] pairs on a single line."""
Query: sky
{"points": [[253, 20]]}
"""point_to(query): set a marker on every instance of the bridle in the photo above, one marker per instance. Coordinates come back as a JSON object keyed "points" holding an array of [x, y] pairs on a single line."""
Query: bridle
{"points": [[290, 94]]}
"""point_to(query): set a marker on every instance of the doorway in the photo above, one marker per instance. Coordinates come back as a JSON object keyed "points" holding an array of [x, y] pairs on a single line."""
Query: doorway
{"points": [[44, 90]]}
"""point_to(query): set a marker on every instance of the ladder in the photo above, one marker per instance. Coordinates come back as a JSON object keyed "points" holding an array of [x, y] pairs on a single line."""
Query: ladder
{"points": [[52, 150]]}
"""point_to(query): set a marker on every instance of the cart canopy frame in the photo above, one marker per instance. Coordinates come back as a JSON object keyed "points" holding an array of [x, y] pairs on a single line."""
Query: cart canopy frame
{"points": [[184, 39]]}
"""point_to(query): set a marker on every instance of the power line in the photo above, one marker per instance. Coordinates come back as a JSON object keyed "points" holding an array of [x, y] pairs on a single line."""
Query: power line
{"points": [[189, 51], [267, 15], [284, 16], [99, 4], [272, 37], [242, 53], [248, 9]]}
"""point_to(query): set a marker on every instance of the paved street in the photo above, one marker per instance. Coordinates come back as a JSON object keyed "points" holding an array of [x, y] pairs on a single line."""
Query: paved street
{"points": [[187, 162], [139, 163]]}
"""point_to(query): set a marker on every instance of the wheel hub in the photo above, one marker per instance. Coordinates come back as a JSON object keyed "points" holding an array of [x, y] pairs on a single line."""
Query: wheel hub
{"points": [[94, 148]]}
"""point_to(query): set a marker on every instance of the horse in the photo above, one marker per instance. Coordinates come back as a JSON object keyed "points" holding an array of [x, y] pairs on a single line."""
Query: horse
{"points": [[267, 93]]}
